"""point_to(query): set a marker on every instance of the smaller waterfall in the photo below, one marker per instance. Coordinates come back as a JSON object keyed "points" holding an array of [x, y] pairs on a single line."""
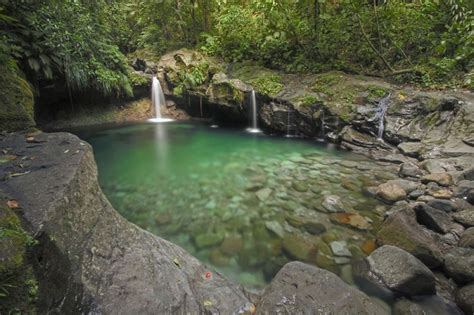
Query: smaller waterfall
{"points": [[254, 125], [157, 100], [380, 115], [321, 117], [288, 125]]}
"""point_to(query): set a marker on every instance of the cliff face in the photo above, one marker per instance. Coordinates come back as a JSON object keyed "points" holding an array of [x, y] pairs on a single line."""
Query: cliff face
{"points": [[89, 258]]}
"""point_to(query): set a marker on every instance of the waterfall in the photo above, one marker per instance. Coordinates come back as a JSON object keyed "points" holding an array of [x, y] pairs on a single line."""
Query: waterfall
{"points": [[253, 103], [288, 124], [157, 99], [321, 116], [380, 115]]}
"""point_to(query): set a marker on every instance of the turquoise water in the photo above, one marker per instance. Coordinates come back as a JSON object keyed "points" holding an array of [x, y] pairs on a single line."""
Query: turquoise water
{"points": [[245, 204]]}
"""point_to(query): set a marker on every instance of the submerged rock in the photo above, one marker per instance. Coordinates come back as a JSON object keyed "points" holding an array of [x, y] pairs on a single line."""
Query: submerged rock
{"points": [[332, 203], [298, 247], [299, 288], [354, 220]]}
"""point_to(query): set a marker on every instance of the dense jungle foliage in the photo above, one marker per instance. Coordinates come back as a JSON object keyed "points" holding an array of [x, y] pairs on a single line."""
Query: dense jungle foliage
{"points": [[85, 42]]}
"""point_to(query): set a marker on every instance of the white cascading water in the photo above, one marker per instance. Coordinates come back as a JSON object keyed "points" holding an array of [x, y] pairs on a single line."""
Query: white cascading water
{"points": [[383, 106], [253, 103], [157, 99]]}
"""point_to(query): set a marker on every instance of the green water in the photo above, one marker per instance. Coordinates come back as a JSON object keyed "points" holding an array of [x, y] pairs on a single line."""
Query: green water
{"points": [[245, 204]]}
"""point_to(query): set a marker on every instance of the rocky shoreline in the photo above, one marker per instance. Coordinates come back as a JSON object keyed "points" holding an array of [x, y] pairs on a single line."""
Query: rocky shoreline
{"points": [[90, 260]]}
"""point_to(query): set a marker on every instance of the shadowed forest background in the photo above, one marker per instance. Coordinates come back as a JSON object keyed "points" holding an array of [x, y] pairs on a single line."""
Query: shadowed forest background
{"points": [[84, 45]]}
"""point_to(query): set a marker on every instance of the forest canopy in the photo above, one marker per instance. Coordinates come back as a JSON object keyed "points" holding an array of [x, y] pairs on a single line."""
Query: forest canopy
{"points": [[85, 43]]}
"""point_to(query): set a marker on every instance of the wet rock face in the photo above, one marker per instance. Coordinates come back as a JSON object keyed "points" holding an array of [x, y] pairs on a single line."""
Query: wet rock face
{"points": [[465, 298], [88, 256], [399, 271], [459, 263], [299, 288], [402, 230]]}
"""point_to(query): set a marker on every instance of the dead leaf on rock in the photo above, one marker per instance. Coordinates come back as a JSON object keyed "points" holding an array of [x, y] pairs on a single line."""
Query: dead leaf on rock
{"points": [[19, 174], [13, 204]]}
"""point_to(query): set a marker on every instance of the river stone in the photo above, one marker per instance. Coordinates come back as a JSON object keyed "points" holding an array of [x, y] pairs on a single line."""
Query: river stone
{"points": [[339, 248], [275, 227], [407, 185], [218, 259], [409, 170], [413, 149], [400, 271], [298, 247], [416, 194], [443, 204], [459, 263], [332, 203], [92, 259], [300, 288], [465, 298], [467, 238], [354, 220], [263, 194], [208, 239], [315, 228], [465, 217], [391, 192], [232, 245], [401, 229], [436, 220], [300, 186], [441, 193], [442, 179], [429, 305]]}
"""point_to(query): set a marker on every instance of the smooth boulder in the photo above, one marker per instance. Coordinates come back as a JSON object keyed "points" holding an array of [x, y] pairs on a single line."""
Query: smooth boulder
{"points": [[299, 288], [399, 271]]}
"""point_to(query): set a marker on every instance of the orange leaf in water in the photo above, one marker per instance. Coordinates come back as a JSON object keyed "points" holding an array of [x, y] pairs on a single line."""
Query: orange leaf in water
{"points": [[13, 204]]}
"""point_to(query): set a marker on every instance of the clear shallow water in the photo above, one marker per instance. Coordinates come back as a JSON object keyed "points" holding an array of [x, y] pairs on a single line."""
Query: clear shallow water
{"points": [[243, 203]]}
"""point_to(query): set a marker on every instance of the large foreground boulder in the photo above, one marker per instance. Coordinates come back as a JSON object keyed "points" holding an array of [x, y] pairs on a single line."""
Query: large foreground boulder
{"points": [[399, 271], [91, 260], [402, 230], [299, 288]]}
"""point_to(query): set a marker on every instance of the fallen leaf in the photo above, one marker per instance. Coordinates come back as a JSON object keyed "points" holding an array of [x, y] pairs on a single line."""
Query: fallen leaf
{"points": [[19, 174], [207, 303], [208, 275], [13, 204], [30, 139], [176, 262], [66, 151]]}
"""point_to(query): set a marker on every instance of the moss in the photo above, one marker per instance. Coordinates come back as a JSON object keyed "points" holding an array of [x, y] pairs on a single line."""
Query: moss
{"points": [[270, 85], [307, 100], [376, 92], [18, 286], [16, 97], [264, 80]]}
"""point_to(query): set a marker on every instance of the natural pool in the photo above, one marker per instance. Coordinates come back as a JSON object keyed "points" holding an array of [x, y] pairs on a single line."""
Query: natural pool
{"points": [[243, 203]]}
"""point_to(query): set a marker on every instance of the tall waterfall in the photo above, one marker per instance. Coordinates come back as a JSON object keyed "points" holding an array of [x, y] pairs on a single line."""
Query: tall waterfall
{"points": [[253, 103], [157, 99]]}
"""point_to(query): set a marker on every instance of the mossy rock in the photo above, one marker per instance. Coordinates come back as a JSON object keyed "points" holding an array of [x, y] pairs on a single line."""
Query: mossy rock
{"points": [[263, 80], [16, 99], [18, 286]]}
